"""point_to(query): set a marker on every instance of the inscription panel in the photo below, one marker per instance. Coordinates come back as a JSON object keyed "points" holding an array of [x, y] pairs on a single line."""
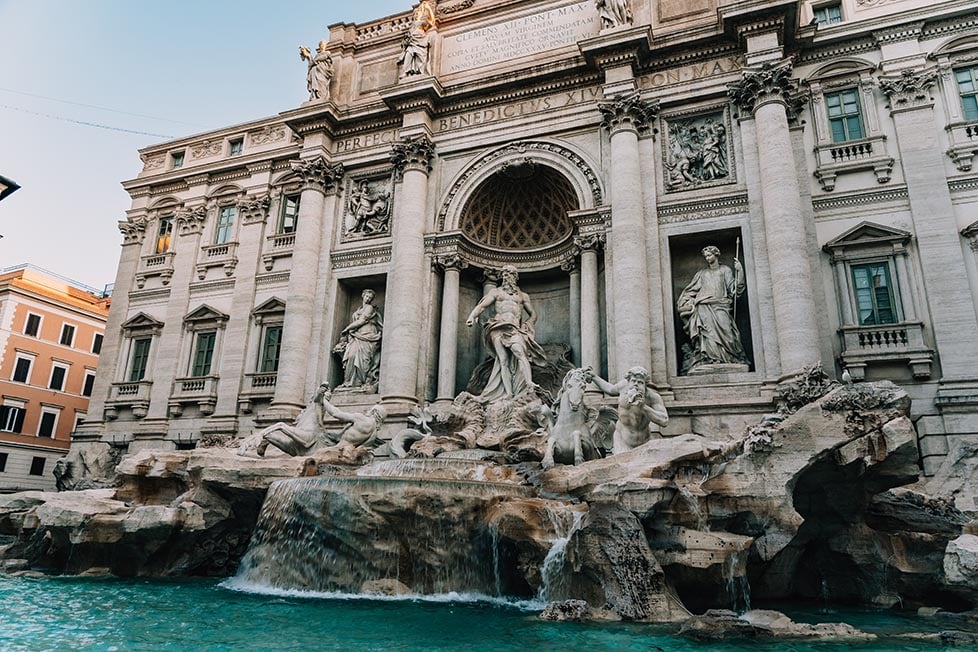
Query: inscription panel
{"points": [[519, 37]]}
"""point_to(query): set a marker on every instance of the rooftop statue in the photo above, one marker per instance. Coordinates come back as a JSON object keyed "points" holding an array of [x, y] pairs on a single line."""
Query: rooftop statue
{"points": [[319, 73], [359, 346], [639, 406], [614, 13], [416, 44]]}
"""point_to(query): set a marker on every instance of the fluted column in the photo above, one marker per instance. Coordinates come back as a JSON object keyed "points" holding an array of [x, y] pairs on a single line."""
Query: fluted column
{"points": [[448, 333], [320, 178], [766, 92], [405, 280], [590, 322], [624, 118], [574, 308]]}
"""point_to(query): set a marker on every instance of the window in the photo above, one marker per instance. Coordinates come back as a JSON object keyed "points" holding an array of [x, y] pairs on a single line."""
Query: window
{"points": [[829, 14], [12, 418], [79, 419], [49, 421], [67, 334], [58, 374], [37, 466], [3, 462], [845, 119], [164, 235], [88, 384], [33, 325], [968, 88], [270, 348], [225, 224], [874, 294], [290, 214], [97, 343], [22, 369], [235, 146], [203, 353], [176, 159], [140, 356]]}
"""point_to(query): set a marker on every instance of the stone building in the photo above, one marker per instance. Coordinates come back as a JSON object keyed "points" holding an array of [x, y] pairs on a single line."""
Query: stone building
{"points": [[51, 332], [600, 148]]}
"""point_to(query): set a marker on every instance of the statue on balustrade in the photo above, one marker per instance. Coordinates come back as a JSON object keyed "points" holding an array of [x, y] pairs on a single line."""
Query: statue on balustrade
{"points": [[417, 44], [639, 407], [359, 347], [319, 73], [707, 307], [510, 338], [614, 13]]}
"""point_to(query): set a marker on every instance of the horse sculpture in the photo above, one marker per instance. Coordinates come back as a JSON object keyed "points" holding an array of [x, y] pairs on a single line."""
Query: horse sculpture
{"points": [[577, 433]]}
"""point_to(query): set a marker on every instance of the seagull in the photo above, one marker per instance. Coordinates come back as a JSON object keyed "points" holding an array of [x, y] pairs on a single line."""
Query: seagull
{"points": [[846, 377]]}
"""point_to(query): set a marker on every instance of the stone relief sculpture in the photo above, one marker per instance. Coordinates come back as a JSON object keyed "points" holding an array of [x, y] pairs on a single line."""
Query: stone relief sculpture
{"points": [[639, 407], [359, 347], [614, 13], [697, 152], [509, 338], [415, 57], [370, 208], [575, 433], [319, 73], [706, 307]]}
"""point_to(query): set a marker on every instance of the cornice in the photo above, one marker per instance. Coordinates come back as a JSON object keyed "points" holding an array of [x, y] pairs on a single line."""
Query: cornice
{"points": [[689, 210], [898, 193], [362, 257]]}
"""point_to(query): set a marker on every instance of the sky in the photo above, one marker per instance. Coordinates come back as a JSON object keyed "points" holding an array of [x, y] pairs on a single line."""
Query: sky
{"points": [[165, 68]]}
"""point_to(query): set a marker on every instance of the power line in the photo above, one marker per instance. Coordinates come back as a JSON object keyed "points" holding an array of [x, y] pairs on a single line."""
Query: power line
{"points": [[84, 122], [101, 108]]}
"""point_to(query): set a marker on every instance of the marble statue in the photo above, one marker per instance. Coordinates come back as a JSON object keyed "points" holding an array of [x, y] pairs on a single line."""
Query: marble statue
{"points": [[509, 338], [575, 433], [319, 73], [359, 347], [639, 407], [706, 307], [614, 13], [370, 209], [417, 43], [697, 152]]}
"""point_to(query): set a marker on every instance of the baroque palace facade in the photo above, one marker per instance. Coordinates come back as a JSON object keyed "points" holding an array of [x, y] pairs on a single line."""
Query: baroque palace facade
{"points": [[826, 149]]}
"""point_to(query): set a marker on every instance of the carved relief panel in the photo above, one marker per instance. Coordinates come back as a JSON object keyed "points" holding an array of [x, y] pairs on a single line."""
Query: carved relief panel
{"points": [[368, 206], [697, 151]]}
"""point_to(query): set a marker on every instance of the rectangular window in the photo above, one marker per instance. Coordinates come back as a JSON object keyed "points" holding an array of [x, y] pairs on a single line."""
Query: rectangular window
{"points": [[845, 119], [968, 88], [874, 294], [58, 375], [33, 325], [140, 356], [12, 418], [3, 462], [203, 353], [270, 348], [176, 158], [290, 214], [67, 335], [22, 369], [225, 224], [97, 343], [48, 422], [89, 383], [829, 14], [79, 420], [164, 235], [235, 146], [37, 466]]}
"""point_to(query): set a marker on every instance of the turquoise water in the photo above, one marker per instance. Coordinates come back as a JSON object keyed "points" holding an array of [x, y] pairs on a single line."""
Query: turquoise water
{"points": [[113, 614]]}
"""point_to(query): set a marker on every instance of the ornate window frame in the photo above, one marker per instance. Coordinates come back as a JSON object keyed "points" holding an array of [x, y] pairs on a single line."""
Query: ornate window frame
{"points": [[258, 384], [962, 133], [199, 390], [221, 254], [134, 394]]}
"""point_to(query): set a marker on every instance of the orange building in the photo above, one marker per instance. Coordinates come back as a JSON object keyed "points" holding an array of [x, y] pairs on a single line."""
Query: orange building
{"points": [[51, 331]]}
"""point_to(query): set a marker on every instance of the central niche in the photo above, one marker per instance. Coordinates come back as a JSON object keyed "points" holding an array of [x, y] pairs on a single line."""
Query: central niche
{"points": [[523, 206]]}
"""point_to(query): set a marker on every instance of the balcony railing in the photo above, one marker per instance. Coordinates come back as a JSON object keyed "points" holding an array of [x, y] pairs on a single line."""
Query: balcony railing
{"points": [[217, 255], [964, 144], [903, 342], [257, 386], [278, 245], [834, 159], [153, 265], [195, 390], [134, 396]]}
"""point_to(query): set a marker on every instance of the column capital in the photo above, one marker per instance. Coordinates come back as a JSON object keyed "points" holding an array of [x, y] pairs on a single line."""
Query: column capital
{"points": [[319, 174], [628, 113], [490, 275], [569, 265], [133, 229], [253, 209], [412, 153], [190, 221], [770, 82], [446, 262], [590, 241], [909, 89], [971, 233]]}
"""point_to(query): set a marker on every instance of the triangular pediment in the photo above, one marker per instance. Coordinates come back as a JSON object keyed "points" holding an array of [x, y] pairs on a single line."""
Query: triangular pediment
{"points": [[205, 313], [141, 320], [868, 233], [273, 306]]}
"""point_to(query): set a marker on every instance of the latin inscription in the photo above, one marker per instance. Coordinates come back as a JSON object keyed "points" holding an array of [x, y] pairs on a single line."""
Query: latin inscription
{"points": [[691, 72], [519, 37], [375, 139], [518, 109]]}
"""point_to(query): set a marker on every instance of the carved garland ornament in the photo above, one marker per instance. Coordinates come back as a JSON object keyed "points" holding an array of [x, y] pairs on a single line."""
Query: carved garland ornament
{"points": [[628, 112], [772, 82], [319, 174], [253, 209], [191, 220], [909, 89], [450, 261], [414, 153]]}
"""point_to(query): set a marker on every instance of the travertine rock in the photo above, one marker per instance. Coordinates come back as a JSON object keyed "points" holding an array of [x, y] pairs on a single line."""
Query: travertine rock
{"points": [[720, 624], [961, 561], [566, 610]]}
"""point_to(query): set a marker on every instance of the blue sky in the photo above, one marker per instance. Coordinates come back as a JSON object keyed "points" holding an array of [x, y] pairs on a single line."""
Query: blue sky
{"points": [[186, 65]]}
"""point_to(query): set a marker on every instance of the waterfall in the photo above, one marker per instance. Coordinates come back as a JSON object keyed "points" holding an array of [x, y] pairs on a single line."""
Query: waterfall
{"points": [[551, 572], [694, 508], [737, 585]]}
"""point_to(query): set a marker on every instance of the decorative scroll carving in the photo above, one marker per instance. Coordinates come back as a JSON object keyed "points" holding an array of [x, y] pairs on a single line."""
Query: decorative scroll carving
{"points": [[628, 112], [319, 174], [269, 134], [206, 148], [368, 208], [450, 261], [569, 265], [772, 82], [971, 233], [191, 220], [455, 8], [133, 229], [910, 89], [697, 152], [253, 209], [412, 153], [590, 241], [154, 162]]}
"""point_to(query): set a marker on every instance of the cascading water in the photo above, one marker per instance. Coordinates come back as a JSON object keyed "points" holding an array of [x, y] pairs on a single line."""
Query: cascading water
{"points": [[737, 585], [693, 504], [551, 572]]}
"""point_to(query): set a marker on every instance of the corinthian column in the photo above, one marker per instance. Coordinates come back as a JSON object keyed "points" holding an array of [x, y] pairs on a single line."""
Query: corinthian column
{"points": [[574, 307], [590, 324], [319, 179], [405, 280], [448, 333], [625, 117], [765, 92]]}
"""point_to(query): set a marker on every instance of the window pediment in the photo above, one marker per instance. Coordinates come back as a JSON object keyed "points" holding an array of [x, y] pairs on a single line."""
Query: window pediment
{"points": [[271, 306], [142, 322], [867, 234], [205, 317]]}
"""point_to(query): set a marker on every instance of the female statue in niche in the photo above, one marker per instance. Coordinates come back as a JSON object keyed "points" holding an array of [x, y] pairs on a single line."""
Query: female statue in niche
{"points": [[706, 307], [359, 347]]}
